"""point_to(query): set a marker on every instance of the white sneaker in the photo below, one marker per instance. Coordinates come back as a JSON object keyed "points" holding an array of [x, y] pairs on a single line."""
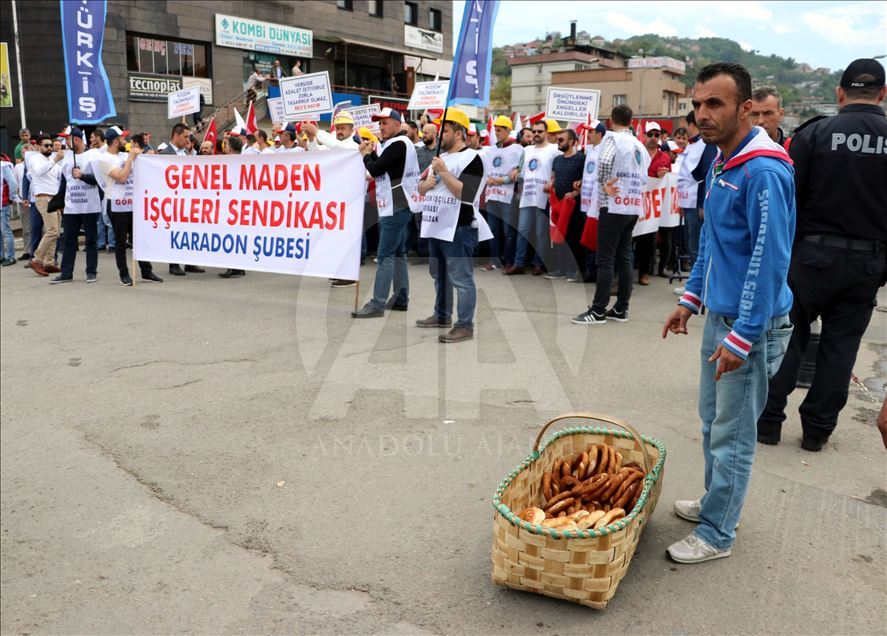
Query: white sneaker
{"points": [[679, 291], [692, 549], [687, 509]]}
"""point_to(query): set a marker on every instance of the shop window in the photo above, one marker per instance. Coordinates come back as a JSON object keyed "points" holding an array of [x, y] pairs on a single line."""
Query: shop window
{"points": [[346, 5], [166, 57], [411, 13], [375, 8], [618, 100], [435, 19]]}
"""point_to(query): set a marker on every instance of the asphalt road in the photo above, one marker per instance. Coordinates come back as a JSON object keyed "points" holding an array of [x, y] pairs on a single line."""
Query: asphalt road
{"points": [[218, 456]]}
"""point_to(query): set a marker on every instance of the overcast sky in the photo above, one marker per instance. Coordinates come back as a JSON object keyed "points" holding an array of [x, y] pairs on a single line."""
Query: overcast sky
{"points": [[829, 34]]}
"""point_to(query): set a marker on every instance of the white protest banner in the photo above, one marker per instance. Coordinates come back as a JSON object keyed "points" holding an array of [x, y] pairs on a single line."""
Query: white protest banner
{"points": [[572, 104], [429, 95], [661, 208], [183, 102], [363, 117], [290, 213], [306, 96], [275, 110]]}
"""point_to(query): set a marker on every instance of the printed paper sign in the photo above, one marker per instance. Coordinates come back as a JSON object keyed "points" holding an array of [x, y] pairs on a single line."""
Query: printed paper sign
{"points": [[363, 117], [306, 96], [290, 213], [275, 110], [572, 104], [429, 95], [183, 102]]}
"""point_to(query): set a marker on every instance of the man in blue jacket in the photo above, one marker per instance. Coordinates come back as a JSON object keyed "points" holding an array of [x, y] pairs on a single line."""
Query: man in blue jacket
{"points": [[740, 276]]}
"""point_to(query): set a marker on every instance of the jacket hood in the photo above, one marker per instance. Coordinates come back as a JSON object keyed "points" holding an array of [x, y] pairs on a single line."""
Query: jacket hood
{"points": [[759, 146]]}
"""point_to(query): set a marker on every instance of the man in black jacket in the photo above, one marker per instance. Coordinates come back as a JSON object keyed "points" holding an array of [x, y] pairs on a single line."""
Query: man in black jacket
{"points": [[178, 145], [840, 253]]}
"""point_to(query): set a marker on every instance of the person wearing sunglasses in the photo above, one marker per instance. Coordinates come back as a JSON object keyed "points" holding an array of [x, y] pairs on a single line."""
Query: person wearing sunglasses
{"points": [[45, 173]]}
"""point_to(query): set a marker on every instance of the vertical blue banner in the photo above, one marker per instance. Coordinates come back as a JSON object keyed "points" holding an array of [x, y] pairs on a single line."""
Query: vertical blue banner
{"points": [[470, 81], [83, 31]]}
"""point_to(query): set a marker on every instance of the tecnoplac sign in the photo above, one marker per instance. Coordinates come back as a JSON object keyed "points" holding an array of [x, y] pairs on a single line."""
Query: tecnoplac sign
{"points": [[144, 87]]}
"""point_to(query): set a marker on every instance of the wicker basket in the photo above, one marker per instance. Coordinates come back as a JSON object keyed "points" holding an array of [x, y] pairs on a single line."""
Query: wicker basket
{"points": [[583, 566]]}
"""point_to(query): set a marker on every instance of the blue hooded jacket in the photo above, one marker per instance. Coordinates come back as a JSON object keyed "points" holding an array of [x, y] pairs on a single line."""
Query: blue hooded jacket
{"points": [[746, 242]]}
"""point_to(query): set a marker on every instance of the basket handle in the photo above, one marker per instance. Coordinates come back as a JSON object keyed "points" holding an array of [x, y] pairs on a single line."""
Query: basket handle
{"points": [[600, 418]]}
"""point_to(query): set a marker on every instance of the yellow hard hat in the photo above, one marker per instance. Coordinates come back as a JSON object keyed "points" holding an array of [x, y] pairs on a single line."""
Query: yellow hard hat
{"points": [[553, 126], [456, 116], [365, 133], [503, 121], [343, 117]]}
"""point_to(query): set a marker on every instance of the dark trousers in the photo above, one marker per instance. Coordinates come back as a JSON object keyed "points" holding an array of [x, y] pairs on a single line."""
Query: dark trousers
{"points": [[122, 224], [666, 249], [839, 285], [613, 251], [36, 229], [645, 252], [71, 224]]}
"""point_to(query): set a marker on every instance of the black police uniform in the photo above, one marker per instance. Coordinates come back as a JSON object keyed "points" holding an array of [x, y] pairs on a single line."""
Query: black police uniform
{"points": [[838, 261]]}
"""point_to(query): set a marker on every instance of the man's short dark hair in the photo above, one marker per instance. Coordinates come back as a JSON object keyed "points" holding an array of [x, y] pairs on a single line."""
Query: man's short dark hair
{"points": [[139, 140], [251, 139], [621, 114], [43, 137], [413, 125], [235, 143], [691, 118], [523, 130], [762, 93], [740, 77], [261, 134], [571, 134], [178, 129], [539, 123]]}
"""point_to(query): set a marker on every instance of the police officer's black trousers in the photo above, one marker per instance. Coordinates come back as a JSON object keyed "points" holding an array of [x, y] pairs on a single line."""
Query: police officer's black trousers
{"points": [[840, 285]]}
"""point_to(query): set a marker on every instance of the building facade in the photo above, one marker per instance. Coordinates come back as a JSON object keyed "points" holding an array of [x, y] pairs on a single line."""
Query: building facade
{"points": [[531, 75], [650, 86], [153, 47]]}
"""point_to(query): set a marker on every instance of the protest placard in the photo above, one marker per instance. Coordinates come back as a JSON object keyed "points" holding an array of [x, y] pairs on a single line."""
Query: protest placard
{"points": [[183, 102], [306, 96], [275, 110], [572, 104], [363, 117], [429, 95], [290, 213]]}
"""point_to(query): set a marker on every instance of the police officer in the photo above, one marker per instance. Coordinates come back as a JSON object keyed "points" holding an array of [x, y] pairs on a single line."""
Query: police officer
{"points": [[839, 258]]}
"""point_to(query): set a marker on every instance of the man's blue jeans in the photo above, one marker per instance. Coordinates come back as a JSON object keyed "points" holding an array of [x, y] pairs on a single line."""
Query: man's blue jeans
{"points": [[499, 219], [36, 230], [105, 232], [392, 257], [693, 227], [531, 219], [729, 409], [8, 251], [452, 265]]}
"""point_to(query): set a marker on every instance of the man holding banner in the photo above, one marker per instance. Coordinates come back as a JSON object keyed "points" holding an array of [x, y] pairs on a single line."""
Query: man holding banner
{"points": [[450, 220], [396, 172]]}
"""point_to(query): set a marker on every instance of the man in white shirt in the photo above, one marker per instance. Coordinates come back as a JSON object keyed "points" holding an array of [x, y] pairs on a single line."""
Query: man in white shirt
{"points": [[45, 174], [536, 173], [114, 169], [288, 140], [343, 125], [622, 174]]}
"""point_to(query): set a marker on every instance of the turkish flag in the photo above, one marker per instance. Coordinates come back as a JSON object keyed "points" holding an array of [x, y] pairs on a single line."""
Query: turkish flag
{"points": [[535, 119], [251, 126], [211, 133], [589, 234], [561, 212]]}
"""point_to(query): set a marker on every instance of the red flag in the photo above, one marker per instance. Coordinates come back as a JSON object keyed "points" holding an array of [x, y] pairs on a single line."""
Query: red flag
{"points": [[251, 126], [589, 234], [211, 133], [491, 136], [535, 119]]}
